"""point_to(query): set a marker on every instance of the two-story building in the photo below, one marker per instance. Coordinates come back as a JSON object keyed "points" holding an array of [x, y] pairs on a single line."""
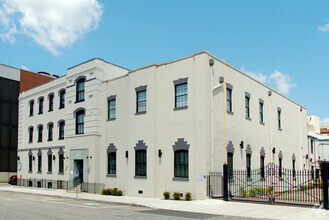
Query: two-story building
{"points": [[162, 127]]}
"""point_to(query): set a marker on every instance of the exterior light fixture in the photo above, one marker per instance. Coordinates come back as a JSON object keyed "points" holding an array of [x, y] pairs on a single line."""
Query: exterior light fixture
{"points": [[126, 154], [54, 157], [273, 150], [159, 153], [241, 144], [18, 158]]}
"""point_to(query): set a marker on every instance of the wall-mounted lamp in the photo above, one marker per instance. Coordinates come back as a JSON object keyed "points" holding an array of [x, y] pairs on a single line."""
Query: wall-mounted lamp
{"points": [[211, 62], [18, 158], [159, 153], [126, 154], [89, 157], [311, 159], [306, 156], [33, 158], [269, 93], [273, 150], [221, 80], [54, 157], [241, 144]]}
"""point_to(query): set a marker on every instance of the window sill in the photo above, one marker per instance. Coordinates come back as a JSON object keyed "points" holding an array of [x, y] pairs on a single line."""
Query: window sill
{"points": [[79, 133], [111, 175], [30, 115], [229, 112], [280, 129], [30, 171], [60, 138], [140, 177], [111, 119], [50, 110], [262, 123], [249, 119], [60, 173], [50, 140], [40, 113], [61, 107], [30, 142], [77, 101], [49, 172], [39, 141], [180, 108], [181, 179], [140, 113], [39, 172]]}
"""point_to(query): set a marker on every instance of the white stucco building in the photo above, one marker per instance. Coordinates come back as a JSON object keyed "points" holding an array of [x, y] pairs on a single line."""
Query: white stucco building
{"points": [[158, 128]]}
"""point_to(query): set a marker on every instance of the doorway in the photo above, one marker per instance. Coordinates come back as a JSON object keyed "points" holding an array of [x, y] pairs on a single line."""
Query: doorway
{"points": [[78, 166]]}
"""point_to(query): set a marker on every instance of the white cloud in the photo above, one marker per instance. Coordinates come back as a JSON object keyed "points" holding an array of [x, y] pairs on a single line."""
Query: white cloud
{"points": [[324, 122], [52, 23], [282, 81], [324, 28]]}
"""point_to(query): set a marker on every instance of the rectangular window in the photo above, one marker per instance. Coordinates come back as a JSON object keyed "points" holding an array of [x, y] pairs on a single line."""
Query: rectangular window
{"points": [[50, 163], [248, 165], [229, 100], [50, 132], [39, 163], [262, 166], [111, 166], [141, 102], [40, 128], [31, 108], [80, 122], [294, 168], [40, 105], [61, 163], [140, 163], [230, 165], [62, 99], [51, 102], [247, 107], [312, 145], [112, 109], [61, 130], [80, 96], [279, 118], [261, 112], [181, 95], [280, 167], [181, 163], [30, 163]]}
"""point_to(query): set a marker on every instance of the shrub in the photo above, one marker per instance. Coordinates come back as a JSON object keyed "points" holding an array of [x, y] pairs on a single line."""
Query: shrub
{"points": [[119, 193], [269, 189], [106, 192], [176, 196], [188, 196], [260, 190], [114, 191], [166, 195], [252, 192]]}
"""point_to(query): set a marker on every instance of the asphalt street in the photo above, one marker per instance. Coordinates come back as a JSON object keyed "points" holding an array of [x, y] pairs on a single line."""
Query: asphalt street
{"points": [[29, 206]]}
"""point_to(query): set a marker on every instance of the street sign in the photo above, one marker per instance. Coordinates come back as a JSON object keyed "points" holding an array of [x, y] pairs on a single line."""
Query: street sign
{"points": [[76, 173]]}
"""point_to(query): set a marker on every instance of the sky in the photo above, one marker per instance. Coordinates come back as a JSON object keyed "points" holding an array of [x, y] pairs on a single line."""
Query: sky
{"points": [[282, 43]]}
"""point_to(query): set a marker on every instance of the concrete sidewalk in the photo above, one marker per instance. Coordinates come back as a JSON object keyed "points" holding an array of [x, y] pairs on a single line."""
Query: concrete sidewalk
{"points": [[208, 206]]}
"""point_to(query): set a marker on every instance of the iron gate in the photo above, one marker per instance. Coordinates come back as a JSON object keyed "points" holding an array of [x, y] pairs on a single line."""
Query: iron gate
{"points": [[275, 185]]}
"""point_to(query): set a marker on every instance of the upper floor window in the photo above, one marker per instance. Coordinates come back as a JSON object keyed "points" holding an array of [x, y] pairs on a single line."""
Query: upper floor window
{"points": [[30, 161], [181, 95], [293, 168], [141, 102], [80, 95], [30, 134], [51, 102], [50, 163], [111, 107], [50, 131], [41, 105], [312, 145], [40, 129], [261, 112], [31, 107], [279, 118], [62, 99], [39, 162], [61, 130], [79, 122], [247, 106], [280, 167], [229, 99]]}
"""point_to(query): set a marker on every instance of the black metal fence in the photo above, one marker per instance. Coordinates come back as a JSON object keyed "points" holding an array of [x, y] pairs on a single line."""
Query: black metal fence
{"points": [[277, 185]]}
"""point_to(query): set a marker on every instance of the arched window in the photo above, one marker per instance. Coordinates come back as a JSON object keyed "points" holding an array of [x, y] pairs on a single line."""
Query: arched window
{"points": [[31, 107], [111, 168], [61, 161], [40, 105], [80, 90], [79, 122], [61, 125], [31, 134], [140, 159], [40, 129], [51, 101], [50, 131]]}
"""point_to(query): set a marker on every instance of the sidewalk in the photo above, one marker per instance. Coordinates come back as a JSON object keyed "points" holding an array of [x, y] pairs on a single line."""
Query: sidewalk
{"points": [[208, 206]]}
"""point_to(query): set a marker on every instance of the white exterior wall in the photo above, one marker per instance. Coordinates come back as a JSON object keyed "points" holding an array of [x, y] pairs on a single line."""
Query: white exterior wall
{"points": [[161, 126]]}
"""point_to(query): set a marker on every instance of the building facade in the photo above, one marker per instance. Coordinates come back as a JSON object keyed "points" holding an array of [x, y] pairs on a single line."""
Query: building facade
{"points": [[162, 127], [12, 81]]}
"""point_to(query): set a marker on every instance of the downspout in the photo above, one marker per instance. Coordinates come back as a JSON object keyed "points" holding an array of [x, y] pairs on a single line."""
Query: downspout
{"points": [[224, 111], [270, 126]]}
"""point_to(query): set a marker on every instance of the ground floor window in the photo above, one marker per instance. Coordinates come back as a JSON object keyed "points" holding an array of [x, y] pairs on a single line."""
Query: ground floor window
{"points": [[111, 168], [248, 165], [181, 163], [140, 163]]}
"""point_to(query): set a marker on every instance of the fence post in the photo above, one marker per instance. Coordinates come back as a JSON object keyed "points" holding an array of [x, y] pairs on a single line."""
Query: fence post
{"points": [[324, 173], [225, 185]]}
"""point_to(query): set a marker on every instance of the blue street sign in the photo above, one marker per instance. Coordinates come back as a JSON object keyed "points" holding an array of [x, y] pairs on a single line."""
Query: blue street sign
{"points": [[76, 173]]}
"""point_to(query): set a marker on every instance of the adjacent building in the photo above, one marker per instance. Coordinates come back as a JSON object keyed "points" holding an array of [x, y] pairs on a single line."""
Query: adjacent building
{"points": [[161, 127], [12, 81]]}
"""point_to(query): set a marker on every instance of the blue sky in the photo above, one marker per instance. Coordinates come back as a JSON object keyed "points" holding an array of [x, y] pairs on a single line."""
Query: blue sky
{"points": [[282, 43]]}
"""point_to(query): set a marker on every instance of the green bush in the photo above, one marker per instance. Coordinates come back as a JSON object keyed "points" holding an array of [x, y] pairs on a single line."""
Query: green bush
{"points": [[252, 192], [188, 196], [244, 193], [269, 189], [106, 192], [176, 196], [166, 195], [260, 190], [119, 193], [114, 191]]}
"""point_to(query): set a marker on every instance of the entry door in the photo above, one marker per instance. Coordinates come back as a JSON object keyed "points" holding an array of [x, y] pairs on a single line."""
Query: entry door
{"points": [[78, 165]]}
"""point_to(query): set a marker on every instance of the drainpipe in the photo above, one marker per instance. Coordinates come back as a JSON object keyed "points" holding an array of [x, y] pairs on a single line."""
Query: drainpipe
{"points": [[270, 125], [224, 111]]}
